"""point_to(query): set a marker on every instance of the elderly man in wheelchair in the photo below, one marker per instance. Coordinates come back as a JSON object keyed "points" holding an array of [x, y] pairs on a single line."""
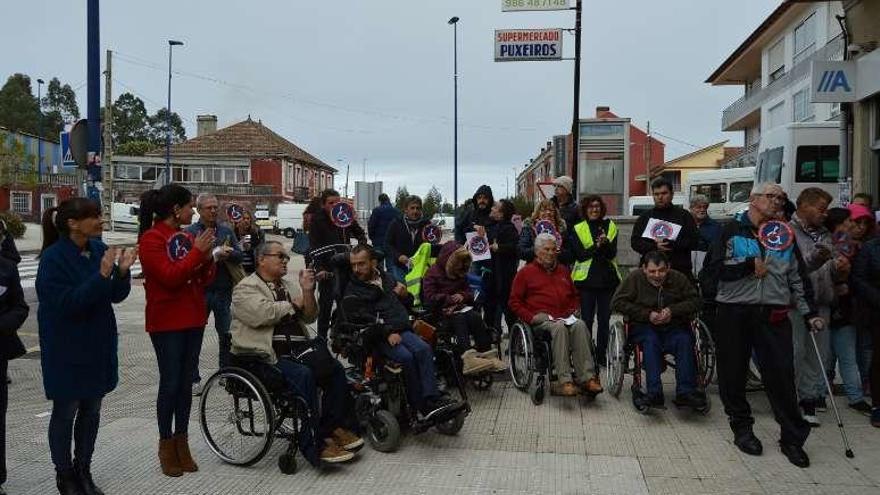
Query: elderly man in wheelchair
{"points": [[659, 304], [269, 339], [544, 296], [373, 296]]}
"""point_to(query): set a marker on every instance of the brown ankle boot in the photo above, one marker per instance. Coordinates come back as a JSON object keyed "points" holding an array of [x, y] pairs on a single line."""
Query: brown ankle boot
{"points": [[168, 458], [187, 464]]}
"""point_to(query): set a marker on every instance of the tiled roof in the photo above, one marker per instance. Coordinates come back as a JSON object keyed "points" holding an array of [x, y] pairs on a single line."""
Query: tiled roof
{"points": [[248, 139]]}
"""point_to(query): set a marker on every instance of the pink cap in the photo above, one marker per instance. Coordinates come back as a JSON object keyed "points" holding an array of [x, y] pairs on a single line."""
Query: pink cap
{"points": [[858, 211]]}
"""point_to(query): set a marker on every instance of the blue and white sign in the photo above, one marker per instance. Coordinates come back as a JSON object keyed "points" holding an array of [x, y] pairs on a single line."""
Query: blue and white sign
{"points": [[834, 82], [66, 156], [518, 45]]}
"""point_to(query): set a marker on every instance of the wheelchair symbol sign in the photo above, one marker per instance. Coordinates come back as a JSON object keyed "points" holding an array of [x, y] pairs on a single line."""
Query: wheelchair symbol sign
{"points": [[342, 215], [547, 227], [775, 235], [179, 246], [234, 213], [478, 246], [661, 230], [432, 234]]}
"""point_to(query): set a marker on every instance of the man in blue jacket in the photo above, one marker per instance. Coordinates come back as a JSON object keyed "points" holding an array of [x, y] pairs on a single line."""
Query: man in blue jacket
{"points": [[380, 220], [228, 256]]}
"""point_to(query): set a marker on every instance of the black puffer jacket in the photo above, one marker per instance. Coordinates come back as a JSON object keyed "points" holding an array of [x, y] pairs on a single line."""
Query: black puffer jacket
{"points": [[374, 300], [404, 238], [323, 232], [865, 281], [475, 215], [680, 256]]}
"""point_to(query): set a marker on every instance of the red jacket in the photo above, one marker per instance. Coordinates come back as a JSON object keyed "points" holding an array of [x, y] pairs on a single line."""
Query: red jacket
{"points": [[535, 290], [175, 276]]}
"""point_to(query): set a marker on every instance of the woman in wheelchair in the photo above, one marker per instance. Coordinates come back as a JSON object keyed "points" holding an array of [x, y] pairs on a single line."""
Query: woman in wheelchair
{"points": [[659, 303], [267, 329], [445, 290], [377, 296]]}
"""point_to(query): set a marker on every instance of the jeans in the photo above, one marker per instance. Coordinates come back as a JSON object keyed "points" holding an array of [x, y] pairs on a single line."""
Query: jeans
{"points": [[654, 344], [468, 324], [4, 402], [177, 354], [75, 420], [300, 379], [219, 303], [864, 351], [843, 342], [742, 329], [417, 359], [597, 302]]}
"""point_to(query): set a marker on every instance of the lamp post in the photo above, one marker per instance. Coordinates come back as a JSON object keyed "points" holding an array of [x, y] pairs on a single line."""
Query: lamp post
{"points": [[40, 83], [454, 22], [171, 45]]}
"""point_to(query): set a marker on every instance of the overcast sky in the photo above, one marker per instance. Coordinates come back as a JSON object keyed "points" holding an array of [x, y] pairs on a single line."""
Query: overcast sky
{"points": [[356, 79]]}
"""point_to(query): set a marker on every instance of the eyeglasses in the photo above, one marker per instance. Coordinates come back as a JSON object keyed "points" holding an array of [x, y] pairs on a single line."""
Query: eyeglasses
{"points": [[281, 256]]}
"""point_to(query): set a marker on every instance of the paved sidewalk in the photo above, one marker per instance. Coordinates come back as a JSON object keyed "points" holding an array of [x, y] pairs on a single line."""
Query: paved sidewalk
{"points": [[507, 446], [32, 240]]}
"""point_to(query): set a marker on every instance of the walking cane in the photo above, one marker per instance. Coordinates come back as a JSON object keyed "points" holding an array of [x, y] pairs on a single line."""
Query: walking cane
{"points": [[848, 452]]}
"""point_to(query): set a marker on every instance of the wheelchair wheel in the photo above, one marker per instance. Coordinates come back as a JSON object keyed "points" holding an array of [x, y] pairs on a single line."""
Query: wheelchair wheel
{"points": [[237, 417], [383, 431], [705, 353], [452, 426], [615, 358], [521, 355]]}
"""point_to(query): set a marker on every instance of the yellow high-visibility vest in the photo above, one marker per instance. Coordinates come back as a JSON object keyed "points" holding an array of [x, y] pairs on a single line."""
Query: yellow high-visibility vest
{"points": [[421, 261], [581, 269]]}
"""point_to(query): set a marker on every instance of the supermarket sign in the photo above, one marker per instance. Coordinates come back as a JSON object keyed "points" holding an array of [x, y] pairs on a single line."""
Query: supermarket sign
{"points": [[518, 45], [520, 5]]}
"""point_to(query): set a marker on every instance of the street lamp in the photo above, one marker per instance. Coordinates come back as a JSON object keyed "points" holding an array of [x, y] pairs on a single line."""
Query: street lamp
{"points": [[40, 83], [454, 22], [171, 44]]}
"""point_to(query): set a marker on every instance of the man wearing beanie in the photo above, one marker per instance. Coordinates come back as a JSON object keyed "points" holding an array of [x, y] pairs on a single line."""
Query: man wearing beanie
{"points": [[564, 200]]}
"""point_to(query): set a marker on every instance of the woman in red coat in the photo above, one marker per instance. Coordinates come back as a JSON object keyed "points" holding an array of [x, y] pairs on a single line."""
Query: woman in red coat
{"points": [[177, 266]]}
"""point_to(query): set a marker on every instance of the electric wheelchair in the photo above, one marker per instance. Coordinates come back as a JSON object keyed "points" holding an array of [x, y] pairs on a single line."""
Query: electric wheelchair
{"points": [[530, 358], [378, 385], [625, 357]]}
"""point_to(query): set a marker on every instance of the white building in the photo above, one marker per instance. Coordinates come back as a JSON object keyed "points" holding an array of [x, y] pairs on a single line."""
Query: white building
{"points": [[773, 66]]}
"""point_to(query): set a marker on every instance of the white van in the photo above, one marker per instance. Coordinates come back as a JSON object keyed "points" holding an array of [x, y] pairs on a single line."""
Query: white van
{"points": [[801, 155], [636, 205], [290, 218], [125, 216], [728, 189]]}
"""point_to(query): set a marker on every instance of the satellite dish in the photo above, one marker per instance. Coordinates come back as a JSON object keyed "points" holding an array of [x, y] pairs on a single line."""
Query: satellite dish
{"points": [[79, 143]]}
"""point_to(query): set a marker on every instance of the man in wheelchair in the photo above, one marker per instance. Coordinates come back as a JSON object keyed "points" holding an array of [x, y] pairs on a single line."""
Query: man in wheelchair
{"points": [[544, 296], [268, 330], [447, 293], [659, 303], [377, 296]]}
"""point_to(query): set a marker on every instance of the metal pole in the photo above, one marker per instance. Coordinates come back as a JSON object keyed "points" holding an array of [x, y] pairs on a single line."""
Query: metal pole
{"points": [[94, 96], [455, 133], [575, 121], [107, 194], [168, 122], [40, 133]]}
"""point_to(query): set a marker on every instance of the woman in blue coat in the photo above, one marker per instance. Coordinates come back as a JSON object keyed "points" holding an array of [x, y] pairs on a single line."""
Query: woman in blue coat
{"points": [[78, 280]]}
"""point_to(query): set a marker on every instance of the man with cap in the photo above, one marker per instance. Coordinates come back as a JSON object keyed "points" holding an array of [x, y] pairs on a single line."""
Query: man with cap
{"points": [[565, 202]]}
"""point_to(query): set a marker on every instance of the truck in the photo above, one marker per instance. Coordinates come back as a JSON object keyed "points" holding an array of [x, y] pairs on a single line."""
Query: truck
{"points": [[290, 218]]}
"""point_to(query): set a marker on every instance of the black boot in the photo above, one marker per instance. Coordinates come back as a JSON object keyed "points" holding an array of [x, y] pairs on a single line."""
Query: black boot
{"points": [[68, 483], [86, 481]]}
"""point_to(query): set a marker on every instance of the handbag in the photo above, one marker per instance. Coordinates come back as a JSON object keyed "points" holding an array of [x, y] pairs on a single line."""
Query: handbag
{"points": [[301, 243]]}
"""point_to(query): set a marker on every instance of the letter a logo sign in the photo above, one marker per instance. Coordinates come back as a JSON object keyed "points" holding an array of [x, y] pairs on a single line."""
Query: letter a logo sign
{"points": [[834, 82]]}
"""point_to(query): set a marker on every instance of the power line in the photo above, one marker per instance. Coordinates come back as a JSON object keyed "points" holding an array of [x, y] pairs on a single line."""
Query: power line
{"points": [[677, 140]]}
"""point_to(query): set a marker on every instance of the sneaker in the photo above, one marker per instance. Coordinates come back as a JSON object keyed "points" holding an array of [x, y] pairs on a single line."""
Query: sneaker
{"points": [[333, 453], [566, 389], [693, 400], [808, 411], [197, 389], [346, 439], [875, 417], [821, 405], [862, 407], [438, 405], [592, 386]]}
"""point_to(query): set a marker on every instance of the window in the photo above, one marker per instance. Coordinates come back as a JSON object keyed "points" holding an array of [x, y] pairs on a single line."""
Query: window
{"points": [[776, 61], [195, 175], [673, 176], [715, 192], [817, 163], [601, 130], [740, 191], [776, 116], [128, 172], [804, 39], [770, 165], [150, 173], [242, 176], [803, 109], [21, 202]]}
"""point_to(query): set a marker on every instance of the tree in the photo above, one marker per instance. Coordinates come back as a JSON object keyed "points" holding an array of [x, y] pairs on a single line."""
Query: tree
{"points": [[13, 157], [432, 202], [524, 206], [135, 148], [158, 123], [19, 109], [400, 198], [447, 209], [129, 119], [61, 100]]}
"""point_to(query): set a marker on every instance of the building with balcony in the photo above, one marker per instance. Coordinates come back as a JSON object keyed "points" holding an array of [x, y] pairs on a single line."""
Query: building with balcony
{"points": [[246, 162], [773, 66]]}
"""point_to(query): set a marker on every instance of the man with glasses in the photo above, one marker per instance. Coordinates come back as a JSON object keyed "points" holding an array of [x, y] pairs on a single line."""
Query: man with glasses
{"points": [[755, 287], [219, 293], [269, 317]]}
